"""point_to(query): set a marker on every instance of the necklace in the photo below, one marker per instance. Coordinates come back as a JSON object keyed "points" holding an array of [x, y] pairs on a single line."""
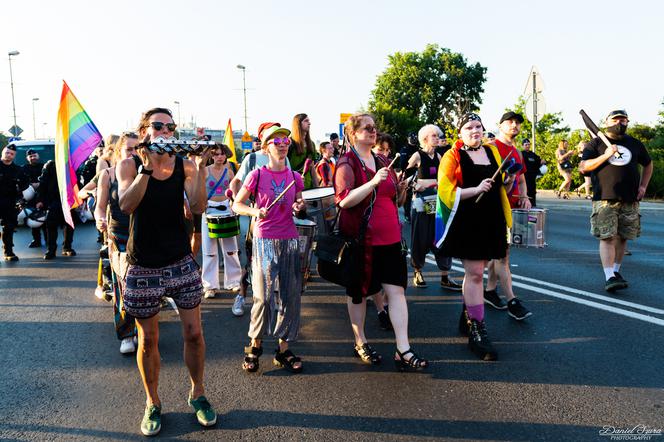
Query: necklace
{"points": [[472, 149]]}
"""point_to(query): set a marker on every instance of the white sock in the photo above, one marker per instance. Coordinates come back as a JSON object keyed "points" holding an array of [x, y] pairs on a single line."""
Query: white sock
{"points": [[608, 272], [616, 267]]}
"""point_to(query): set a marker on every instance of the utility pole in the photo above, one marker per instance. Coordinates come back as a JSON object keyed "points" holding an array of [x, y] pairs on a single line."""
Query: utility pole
{"points": [[244, 89], [11, 81]]}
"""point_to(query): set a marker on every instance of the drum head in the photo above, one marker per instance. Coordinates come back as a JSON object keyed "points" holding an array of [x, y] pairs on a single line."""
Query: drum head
{"points": [[320, 192], [304, 222]]}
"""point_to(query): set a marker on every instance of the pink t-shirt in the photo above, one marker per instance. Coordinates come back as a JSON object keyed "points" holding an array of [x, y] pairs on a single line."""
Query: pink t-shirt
{"points": [[279, 221], [384, 222]]}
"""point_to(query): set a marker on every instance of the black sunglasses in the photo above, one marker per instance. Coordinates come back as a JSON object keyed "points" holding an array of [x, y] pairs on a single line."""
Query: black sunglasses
{"points": [[130, 135], [158, 125]]}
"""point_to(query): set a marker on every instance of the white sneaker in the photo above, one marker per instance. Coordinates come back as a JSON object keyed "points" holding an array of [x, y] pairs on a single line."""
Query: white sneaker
{"points": [[209, 293], [127, 346], [238, 306]]}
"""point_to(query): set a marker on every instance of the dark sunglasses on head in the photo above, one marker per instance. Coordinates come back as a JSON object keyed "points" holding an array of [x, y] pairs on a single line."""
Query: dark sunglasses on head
{"points": [[284, 140], [130, 135], [158, 125]]}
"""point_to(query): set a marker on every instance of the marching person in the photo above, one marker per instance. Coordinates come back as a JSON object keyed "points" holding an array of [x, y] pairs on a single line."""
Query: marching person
{"points": [[111, 220], [151, 191], [219, 176], [325, 167], [276, 282], [33, 168], [12, 183], [423, 213], [48, 196], [302, 148], [533, 163], [252, 161], [499, 269], [365, 185], [405, 153], [587, 182], [565, 167], [617, 189], [474, 231]]}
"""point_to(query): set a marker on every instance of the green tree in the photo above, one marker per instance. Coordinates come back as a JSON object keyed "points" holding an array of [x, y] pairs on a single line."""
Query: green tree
{"points": [[432, 86], [3, 141]]}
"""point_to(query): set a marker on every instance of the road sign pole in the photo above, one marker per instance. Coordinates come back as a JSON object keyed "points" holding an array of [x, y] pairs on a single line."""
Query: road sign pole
{"points": [[11, 82], [533, 142]]}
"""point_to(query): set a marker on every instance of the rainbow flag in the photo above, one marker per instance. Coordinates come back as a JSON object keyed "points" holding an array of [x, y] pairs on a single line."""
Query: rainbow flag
{"points": [[228, 141], [75, 139]]}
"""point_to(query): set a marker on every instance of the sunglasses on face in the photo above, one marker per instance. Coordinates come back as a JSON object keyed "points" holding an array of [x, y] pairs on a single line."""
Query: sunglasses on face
{"points": [[158, 125], [282, 141], [369, 128]]}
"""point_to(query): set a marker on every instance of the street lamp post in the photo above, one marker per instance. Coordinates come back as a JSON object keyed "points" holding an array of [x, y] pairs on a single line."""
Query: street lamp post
{"points": [[34, 124], [177, 103], [244, 89], [11, 81]]}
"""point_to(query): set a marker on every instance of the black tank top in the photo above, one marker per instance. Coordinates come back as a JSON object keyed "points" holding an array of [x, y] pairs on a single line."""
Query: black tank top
{"points": [[428, 170], [157, 233], [118, 224]]}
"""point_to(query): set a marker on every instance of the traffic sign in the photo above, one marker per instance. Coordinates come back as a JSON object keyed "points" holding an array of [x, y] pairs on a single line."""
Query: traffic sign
{"points": [[344, 117], [15, 130], [541, 107], [536, 78], [246, 137]]}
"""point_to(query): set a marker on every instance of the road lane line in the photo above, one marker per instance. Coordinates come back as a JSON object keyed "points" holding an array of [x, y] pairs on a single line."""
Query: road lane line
{"points": [[597, 305]]}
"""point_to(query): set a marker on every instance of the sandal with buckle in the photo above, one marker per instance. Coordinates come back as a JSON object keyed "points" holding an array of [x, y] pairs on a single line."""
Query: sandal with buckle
{"points": [[367, 354], [251, 355], [414, 363], [287, 360]]}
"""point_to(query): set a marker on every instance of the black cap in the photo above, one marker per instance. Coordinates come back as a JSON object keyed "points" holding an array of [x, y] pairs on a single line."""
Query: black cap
{"points": [[11, 146], [511, 116], [525, 141], [30, 152], [334, 136], [616, 113]]}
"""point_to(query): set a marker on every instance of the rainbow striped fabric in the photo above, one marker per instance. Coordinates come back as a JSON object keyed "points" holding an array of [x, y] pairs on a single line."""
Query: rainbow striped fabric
{"points": [[449, 181], [75, 139]]}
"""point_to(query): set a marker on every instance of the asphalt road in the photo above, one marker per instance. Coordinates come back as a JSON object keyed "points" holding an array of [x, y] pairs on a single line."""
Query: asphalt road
{"points": [[585, 359]]}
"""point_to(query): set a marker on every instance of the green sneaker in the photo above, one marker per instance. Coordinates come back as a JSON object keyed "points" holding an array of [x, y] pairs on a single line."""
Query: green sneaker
{"points": [[151, 423], [204, 412]]}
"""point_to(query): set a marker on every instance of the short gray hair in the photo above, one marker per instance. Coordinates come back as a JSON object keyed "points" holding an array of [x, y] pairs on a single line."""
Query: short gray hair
{"points": [[424, 131]]}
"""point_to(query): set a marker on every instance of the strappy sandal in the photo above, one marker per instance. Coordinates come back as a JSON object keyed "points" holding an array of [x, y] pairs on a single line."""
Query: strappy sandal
{"points": [[287, 360], [368, 354], [251, 355], [415, 363]]}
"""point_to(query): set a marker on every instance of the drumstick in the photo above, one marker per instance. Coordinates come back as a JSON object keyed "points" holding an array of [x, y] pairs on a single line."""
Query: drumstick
{"points": [[396, 157], [229, 195], [495, 174], [281, 195]]}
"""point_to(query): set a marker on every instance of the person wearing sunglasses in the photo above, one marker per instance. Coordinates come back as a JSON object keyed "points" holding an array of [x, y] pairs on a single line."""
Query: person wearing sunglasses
{"points": [[276, 276], [115, 224], [151, 188], [219, 176], [366, 187]]}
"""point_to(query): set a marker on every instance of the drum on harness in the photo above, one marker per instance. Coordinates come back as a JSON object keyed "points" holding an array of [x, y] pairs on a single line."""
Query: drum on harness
{"points": [[222, 222]]}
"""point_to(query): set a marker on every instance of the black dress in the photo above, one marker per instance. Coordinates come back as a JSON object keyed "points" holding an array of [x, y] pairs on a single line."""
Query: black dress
{"points": [[478, 231]]}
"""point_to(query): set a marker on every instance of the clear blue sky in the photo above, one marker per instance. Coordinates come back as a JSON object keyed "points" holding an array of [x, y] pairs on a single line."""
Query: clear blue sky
{"points": [[322, 58]]}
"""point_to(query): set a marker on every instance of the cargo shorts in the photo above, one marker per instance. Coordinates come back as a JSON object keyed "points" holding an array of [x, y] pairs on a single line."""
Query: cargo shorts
{"points": [[610, 218]]}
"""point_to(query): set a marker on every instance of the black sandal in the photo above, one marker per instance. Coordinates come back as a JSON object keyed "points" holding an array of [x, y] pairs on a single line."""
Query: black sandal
{"points": [[415, 363], [368, 354], [251, 355], [287, 360]]}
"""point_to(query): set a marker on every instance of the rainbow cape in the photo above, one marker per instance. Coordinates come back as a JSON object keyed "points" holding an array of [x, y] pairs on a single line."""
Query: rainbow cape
{"points": [[449, 180], [75, 139]]}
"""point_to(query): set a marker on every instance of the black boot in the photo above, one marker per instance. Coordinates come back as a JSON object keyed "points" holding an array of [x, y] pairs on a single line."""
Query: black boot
{"points": [[8, 242], [464, 322], [479, 342]]}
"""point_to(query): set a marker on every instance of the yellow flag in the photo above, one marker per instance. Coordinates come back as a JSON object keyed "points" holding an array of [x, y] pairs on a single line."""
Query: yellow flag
{"points": [[228, 141]]}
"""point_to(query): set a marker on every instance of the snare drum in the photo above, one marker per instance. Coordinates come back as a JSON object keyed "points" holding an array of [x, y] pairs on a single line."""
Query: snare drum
{"points": [[320, 206], [223, 226], [306, 230], [528, 228]]}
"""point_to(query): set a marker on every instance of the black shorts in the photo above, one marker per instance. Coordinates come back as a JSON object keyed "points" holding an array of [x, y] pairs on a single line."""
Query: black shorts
{"points": [[388, 266]]}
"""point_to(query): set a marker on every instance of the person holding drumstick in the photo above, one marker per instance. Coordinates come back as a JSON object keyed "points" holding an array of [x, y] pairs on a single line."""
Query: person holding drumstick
{"points": [[219, 176], [366, 184], [471, 228], [423, 219], [276, 256]]}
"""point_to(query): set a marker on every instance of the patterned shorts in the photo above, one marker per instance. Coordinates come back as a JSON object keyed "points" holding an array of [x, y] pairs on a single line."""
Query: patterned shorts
{"points": [[145, 287], [611, 218]]}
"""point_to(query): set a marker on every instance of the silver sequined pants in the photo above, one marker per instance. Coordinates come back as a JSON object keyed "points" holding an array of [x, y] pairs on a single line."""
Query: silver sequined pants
{"points": [[276, 267]]}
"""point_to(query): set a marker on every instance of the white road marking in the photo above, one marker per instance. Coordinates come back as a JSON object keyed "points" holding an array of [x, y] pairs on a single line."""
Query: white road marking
{"points": [[528, 284]]}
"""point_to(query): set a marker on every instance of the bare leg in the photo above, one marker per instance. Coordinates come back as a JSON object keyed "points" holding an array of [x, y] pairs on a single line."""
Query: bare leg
{"points": [[357, 314], [147, 357], [194, 348], [473, 287], [398, 314], [492, 278]]}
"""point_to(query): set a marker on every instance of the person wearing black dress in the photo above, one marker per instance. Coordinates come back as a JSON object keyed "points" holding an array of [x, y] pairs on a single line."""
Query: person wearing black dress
{"points": [[477, 232]]}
